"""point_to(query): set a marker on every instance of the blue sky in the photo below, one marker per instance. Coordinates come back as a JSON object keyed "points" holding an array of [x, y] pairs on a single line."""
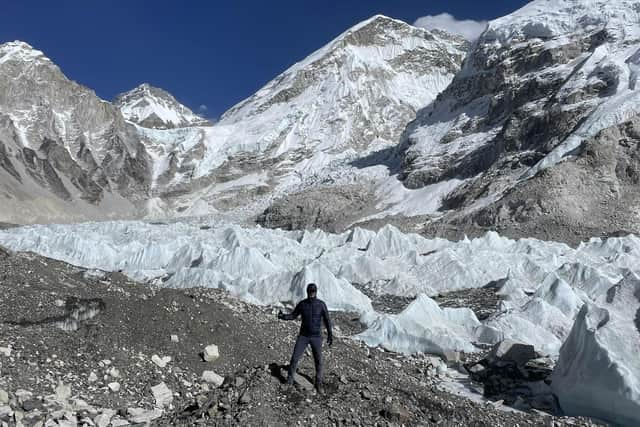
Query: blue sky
{"points": [[212, 53]]}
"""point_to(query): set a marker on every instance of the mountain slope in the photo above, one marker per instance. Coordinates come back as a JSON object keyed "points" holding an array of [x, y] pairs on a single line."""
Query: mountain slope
{"points": [[155, 108], [64, 153], [307, 127], [537, 87]]}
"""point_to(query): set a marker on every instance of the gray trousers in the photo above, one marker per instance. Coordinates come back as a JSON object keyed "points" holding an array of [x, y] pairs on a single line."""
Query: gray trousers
{"points": [[316, 348]]}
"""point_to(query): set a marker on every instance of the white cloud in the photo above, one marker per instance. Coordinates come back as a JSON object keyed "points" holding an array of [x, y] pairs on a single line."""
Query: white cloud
{"points": [[467, 28], [203, 108]]}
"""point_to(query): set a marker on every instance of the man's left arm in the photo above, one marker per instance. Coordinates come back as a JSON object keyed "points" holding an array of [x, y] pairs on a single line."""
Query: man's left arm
{"points": [[327, 324]]}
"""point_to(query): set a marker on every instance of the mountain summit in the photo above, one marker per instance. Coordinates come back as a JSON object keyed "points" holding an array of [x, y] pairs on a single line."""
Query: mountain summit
{"points": [[152, 107]]}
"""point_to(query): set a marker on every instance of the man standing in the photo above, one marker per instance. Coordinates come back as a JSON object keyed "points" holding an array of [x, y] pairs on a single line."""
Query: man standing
{"points": [[314, 312]]}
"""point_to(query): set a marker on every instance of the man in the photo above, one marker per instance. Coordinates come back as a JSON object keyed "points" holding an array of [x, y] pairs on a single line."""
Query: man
{"points": [[314, 312]]}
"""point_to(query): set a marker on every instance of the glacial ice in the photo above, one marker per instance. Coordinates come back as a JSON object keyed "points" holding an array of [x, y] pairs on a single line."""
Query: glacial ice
{"points": [[579, 305]]}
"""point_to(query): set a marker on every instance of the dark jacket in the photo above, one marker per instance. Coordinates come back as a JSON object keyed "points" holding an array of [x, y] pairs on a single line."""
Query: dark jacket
{"points": [[314, 312]]}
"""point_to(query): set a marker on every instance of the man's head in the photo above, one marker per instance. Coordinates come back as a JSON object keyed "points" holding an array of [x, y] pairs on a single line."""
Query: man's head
{"points": [[312, 290]]}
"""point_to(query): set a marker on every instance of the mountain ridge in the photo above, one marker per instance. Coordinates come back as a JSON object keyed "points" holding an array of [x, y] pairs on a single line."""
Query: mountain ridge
{"points": [[152, 107]]}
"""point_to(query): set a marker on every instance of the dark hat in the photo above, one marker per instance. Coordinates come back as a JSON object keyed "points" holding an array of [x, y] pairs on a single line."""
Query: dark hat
{"points": [[312, 288]]}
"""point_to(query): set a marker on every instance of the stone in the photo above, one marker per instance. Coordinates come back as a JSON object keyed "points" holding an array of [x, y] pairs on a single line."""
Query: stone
{"points": [[211, 353], [114, 387], [23, 396], [139, 415], [174, 338], [512, 351], [162, 394], [104, 419], [31, 404], [4, 397], [212, 378], [115, 373], [303, 382], [92, 377], [476, 369], [238, 382], [245, 398], [366, 394], [451, 357], [396, 413], [6, 351], [160, 361], [5, 410], [119, 422]]}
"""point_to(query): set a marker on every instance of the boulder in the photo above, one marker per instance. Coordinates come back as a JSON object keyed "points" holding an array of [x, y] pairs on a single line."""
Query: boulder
{"points": [[302, 382], [114, 387], [161, 362], [245, 398], [396, 413], [512, 351], [211, 353], [104, 419], [162, 394], [212, 378], [139, 415]]}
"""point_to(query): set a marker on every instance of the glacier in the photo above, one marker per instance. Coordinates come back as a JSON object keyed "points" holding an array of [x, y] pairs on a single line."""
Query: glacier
{"points": [[578, 305]]}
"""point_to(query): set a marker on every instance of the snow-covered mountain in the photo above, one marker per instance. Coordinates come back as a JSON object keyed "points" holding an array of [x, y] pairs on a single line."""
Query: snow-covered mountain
{"points": [[541, 123], [306, 127], [156, 108], [65, 154]]}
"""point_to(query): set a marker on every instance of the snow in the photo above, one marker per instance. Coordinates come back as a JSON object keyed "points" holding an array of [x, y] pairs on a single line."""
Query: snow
{"points": [[145, 102], [19, 51], [347, 100], [395, 199], [423, 327], [448, 130], [598, 371], [575, 304]]}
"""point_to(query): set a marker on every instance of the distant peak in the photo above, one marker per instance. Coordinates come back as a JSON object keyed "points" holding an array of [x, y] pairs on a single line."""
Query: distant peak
{"points": [[153, 107], [19, 51], [17, 44], [378, 20]]}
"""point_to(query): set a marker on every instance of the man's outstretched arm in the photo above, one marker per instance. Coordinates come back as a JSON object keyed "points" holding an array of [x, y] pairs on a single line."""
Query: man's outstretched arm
{"points": [[290, 316], [327, 324]]}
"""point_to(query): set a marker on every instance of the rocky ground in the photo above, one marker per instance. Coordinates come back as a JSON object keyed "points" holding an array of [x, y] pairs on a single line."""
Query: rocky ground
{"points": [[80, 347]]}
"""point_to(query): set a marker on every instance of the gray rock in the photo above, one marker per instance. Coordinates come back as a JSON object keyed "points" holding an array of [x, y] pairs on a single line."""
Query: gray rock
{"points": [[162, 394], [31, 404], [512, 351], [396, 413], [139, 415], [245, 398], [104, 419], [212, 378], [303, 382], [211, 353]]}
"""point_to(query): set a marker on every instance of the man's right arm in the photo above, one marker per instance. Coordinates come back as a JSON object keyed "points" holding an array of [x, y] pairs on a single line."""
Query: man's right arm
{"points": [[290, 316]]}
